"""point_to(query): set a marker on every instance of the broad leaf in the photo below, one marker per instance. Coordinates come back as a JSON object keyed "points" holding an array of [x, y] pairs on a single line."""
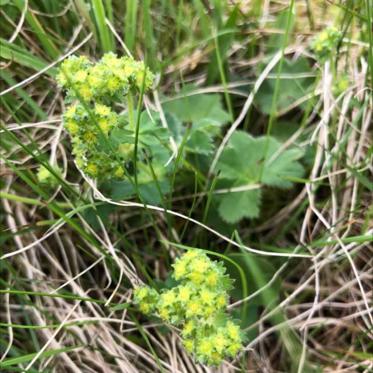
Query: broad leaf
{"points": [[124, 190], [200, 142], [292, 86], [247, 162], [192, 108], [204, 114], [238, 205]]}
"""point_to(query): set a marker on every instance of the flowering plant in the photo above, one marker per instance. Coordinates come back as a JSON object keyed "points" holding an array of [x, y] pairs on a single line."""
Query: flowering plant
{"points": [[92, 92], [326, 41], [197, 305]]}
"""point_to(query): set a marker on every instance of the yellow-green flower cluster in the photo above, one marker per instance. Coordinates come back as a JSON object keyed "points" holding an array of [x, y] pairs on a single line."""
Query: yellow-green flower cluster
{"points": [[198, 306], [73, 73], [147, 299], [88, 131], [111, 76], [325, 42], [46, 177], [92, 91], [340, 84], [211, 344]]}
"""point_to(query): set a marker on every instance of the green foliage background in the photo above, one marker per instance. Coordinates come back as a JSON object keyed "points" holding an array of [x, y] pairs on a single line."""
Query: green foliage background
{"points": [[287, 207]]}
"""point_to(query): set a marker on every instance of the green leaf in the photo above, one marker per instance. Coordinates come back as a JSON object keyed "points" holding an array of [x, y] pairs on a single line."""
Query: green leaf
{"points": [[235, 206], [120, 136], [293, 85], [283, 130], [103, 212], [151, 131], [192, 108], [253, 162], [122, 190], [204, 112], [242, 157], [150, 193], [279, 169], [200, 142]]}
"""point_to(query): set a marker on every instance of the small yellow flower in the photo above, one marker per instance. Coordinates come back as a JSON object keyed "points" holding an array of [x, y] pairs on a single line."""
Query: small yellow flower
{"points": [[128, 70], [189, 345], [190, 254], [144, 308], [79, 161], [104, 125], [188, 328], [102, 110], [318, 47], [216, 358], [220, 342], [233, 331], [89, 137], [200, 265], [221, 300], [72, 127], [209, 311], [207, 296], [179, 269], [61, 78], [196, 277], [119, 172], [184, 293], [323, 36], [111, 60], [212, 279], [205, 347], [118, 72], [113, 84], [234, 348], [85, 93], [80, 61], [140, 76], [94, 81], [193, 308], [92, 169], [70, 112], [80, 76], [168, 298], [164, 314], [141, 292]]}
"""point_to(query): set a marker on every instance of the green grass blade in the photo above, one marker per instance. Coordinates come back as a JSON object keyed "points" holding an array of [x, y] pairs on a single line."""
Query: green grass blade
{"points": [[149, 37], [20, 55], [37, 28], [106, 37], [130, 22], [24, 96], [25, 358]]}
